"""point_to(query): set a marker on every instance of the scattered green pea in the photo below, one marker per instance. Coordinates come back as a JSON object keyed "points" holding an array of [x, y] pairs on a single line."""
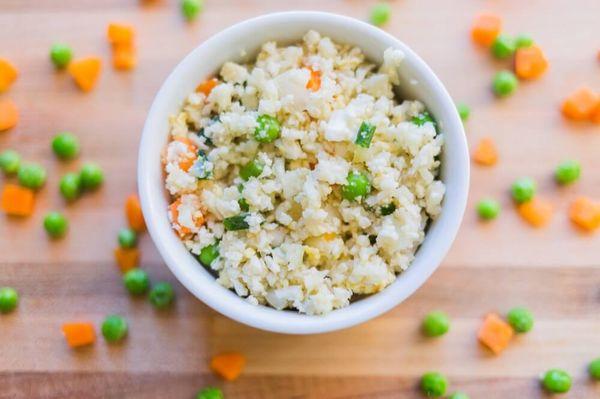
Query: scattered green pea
{"points": [[520, 319], [9, 299], [191, 8], [380, 14], [252, 169], [503, 46], [523, 41], [358, 185], [10, 161], [458, 395], [210, 393], [434, 384], [162, 295], [267, 129], [594, 369], [208, 254], [504, 83], [65, 145], [91, 176], [70, 186], [567, 172], [556, 381], [56, 224], [31, 175], [60, 55], [127, 238], [463, 111], [488, 209], [114, 328], [435, 324], [523, 190], [136, 281]]}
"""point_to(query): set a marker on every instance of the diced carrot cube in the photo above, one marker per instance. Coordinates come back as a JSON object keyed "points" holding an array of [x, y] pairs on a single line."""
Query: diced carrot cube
{"points": [[314, 83], [17, 200], [581, 104], [85, 72], [228, 365], [485, 29], [8, 74], [495, 333], [486, 153], [537, 212], [79, 334], [127, 258], [124, 57], [585, 213], [120, 33], [207, 86], [9, 114], [186, 163], [133, 212], [530, 62], [596, 113]]}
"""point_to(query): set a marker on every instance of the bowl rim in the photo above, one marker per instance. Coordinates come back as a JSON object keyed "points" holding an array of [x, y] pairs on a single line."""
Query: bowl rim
{"points": [[266, 318]]}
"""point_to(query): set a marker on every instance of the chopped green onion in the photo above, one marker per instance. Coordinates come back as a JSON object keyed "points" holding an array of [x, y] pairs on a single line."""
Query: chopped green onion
{"points": [[388, 209], [365, 135], [237, 222]]}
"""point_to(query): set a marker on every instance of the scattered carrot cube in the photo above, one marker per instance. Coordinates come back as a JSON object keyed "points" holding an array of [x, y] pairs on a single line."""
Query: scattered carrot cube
{"points": [[207, 86], [585, 213], [17, 200], [485, 29], [85, 72], [9, 114], [530, 62], [133, 212], [596, 114], [536, 212], [581, 104], [79, 334], [120, 33], [486, 153], [314, 83], [228, 365], [495, 333], [127, 258], [8, 74], [124, 57]]}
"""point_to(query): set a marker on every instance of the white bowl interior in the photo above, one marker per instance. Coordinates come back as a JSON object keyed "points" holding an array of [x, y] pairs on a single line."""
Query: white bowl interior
{"points": [[240, 43]]}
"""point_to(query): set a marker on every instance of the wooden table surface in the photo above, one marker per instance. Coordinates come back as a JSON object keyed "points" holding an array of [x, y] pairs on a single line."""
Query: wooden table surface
{"points": [[554, 271]]}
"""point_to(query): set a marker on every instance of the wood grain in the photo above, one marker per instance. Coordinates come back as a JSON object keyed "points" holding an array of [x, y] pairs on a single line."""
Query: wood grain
{"points": [[554, 271]]}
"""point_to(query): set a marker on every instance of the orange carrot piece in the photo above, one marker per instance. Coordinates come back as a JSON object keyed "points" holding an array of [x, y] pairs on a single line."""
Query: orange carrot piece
{"points": [[9, 114], [228, 365], [8, 74], [486, 153], [596, 113], [17, 200], [120, 33], [536, 212], [127, 258], [207, 86], [186, 163], [314, 83], [495, 333], [585, 213], [485, 29], [124, 57], [85, 72], [530, 62], [581, 104], [133, 212], [79, 334]]}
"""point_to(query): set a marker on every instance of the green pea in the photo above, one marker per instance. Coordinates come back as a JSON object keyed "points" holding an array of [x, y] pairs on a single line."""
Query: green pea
{"points": [[136, 281], [32, 175], [388, 209], [210, 393], [208, 254], [523, 190], [65, 145], [191, 8], [162, 295], [458, 395], [503, 46], [488, 209], [267, 129], [114, 328], [504, 83], [520, 319], [10, 161], [60, 55], [436, 324], [9, 299], [56, 224], [70, 186], [567, 172], [380, 14], [127, 238], [464, 111], [252, 169], [433, 384], [556, 381], [91, 176], [358, 185], [594, 369], [523, 41]]}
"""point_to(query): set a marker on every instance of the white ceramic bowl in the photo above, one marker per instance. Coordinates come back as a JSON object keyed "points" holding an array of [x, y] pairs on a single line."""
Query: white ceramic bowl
{"points": [[418, 82]]}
